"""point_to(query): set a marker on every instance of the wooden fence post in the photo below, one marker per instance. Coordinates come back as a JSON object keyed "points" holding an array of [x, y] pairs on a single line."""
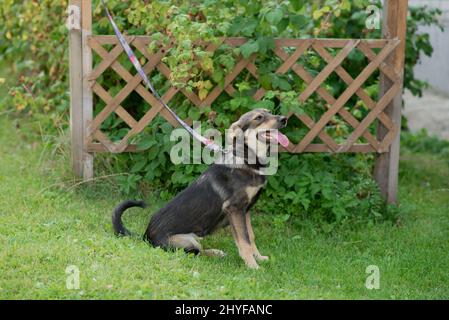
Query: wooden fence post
{"points": [[79, 24], [86, 25], [76, 86], [387, 164]]}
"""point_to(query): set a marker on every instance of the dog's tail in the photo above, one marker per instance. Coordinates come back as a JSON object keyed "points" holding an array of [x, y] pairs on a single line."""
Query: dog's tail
{"points": [[117, 223]]}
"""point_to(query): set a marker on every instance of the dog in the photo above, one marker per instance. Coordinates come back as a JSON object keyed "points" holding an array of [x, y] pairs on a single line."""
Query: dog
{"points": [[221, 196]]}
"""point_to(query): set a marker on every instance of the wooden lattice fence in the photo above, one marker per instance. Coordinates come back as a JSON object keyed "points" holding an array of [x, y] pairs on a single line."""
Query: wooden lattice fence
{"points": [[385, 55]]}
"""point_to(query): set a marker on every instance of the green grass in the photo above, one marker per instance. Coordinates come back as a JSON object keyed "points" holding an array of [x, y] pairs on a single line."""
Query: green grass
{"points": [[45, 225]]}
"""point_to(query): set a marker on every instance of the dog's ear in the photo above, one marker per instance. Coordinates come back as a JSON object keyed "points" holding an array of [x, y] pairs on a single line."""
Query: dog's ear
{"points": [[233, 132], [237, 128]]}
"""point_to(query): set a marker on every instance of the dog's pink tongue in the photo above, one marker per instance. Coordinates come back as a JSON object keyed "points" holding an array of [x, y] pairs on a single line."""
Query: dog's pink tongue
{"points": [[281, 138]]}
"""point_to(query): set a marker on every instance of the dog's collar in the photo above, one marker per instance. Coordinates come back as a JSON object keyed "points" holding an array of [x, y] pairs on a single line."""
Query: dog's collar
{"points": [[231, 160], [245, 167]]}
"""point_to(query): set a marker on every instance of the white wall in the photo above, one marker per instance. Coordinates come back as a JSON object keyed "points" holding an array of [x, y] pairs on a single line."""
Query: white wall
{"points": [[435, 69]]}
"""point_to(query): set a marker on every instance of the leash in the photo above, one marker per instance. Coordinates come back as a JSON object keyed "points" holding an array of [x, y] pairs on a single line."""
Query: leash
{"points": [[209, 144]]}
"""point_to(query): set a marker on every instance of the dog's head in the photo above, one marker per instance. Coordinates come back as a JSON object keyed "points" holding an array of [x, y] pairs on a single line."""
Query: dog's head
{"points": [[261, 124]]}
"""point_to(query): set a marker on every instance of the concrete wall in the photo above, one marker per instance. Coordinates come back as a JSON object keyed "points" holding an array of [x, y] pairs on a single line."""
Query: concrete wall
{"points": [[435, 69]]}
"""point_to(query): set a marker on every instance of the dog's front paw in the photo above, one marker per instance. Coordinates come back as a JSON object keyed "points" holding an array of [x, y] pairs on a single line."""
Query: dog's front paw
{"points": [[218, 253], [262, 258], [252, 265], [214, 253]]}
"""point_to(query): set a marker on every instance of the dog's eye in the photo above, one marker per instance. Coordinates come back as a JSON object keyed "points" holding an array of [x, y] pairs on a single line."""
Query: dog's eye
{"points": [[258, 118]]}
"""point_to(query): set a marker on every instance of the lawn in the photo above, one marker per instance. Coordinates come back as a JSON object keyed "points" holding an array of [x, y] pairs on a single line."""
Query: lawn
{"points": [[48, 222]]}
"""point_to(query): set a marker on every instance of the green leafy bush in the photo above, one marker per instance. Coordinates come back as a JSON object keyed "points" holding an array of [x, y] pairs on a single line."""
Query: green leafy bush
{"points": [[33, 42], [329, 187]]}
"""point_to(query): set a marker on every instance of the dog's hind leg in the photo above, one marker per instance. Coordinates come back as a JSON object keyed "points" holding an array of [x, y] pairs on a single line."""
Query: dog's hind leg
{"points": [[187, 241], [190, 243]]}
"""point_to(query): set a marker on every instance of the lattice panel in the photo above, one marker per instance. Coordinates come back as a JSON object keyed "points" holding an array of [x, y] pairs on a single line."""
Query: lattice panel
{"points": [[289, 52]]}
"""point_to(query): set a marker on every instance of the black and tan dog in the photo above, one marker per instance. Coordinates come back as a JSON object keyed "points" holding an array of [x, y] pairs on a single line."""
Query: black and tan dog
{"points": [[222, 195]]}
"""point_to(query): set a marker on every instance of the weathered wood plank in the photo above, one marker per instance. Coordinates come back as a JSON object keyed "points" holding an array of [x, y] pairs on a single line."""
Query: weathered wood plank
{"points": [[86, 26], [315, 148], [238, 41], [387, 164], [76, 89], [98, 147], [355, 148]]}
